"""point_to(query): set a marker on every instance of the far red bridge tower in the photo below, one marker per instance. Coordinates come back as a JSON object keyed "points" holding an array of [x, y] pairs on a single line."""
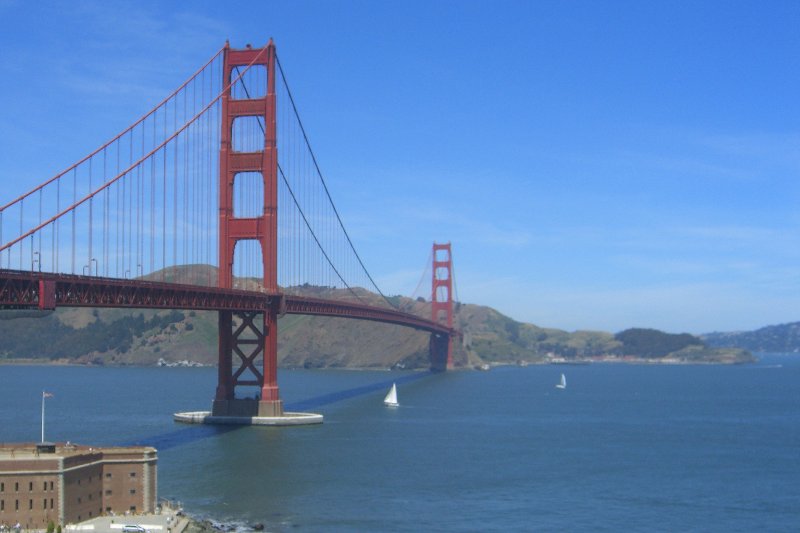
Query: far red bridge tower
{"points": [[441, 346]]}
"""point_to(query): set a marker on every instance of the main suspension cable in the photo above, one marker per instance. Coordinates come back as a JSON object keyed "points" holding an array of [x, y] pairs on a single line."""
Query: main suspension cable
{"points": [[324, 185]]}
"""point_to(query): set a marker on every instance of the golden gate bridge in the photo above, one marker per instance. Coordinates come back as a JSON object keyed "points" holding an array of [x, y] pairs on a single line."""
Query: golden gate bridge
{"points": [[213, 200]]}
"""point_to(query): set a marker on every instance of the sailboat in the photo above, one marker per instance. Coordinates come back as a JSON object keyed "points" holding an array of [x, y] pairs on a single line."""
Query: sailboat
{"points": [[391, 396], [563, 383]]}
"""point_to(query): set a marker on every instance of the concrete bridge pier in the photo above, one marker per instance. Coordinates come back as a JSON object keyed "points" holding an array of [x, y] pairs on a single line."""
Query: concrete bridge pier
{"points": [[248, 335], [440, 352]]}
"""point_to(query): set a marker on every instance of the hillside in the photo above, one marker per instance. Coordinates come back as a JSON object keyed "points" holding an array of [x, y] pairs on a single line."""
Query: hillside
{"points": [[651, 344], [142, 337], [782, 338]]}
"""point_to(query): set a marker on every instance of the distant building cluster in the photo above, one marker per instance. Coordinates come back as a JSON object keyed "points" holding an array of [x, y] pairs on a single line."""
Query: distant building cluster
{"points": [[68, 483], [183, 363]]}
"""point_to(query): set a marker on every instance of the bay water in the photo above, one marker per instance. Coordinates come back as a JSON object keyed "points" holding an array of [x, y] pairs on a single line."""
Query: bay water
{"points": [[622, 448]]}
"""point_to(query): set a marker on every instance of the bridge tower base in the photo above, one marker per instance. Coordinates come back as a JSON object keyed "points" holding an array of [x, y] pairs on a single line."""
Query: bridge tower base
{"points": [[249, 336], [441, 358]]}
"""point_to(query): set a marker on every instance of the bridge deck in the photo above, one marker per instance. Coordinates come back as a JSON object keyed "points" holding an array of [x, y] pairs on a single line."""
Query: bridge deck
{"points": [[40, 290]]}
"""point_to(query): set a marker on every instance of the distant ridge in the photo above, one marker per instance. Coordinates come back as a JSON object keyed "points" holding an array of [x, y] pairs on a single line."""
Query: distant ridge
{"points": [[781, 338]]}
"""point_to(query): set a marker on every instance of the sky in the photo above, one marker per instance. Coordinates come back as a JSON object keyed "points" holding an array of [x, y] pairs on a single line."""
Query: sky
{"points": [[595, 165]]}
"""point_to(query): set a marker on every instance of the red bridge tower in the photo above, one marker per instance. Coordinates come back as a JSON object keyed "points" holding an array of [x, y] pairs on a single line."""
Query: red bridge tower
{"points": [[441, 346], [249, 335]]}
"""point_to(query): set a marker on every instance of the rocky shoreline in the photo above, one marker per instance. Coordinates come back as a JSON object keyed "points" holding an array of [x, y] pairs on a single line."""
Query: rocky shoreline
{"points": [[207, 525]]}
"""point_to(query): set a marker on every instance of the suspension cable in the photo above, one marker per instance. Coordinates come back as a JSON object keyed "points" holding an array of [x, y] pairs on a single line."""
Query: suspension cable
{"points": [[324, 185], [308, 225], [134, 166], [129, 129], [300, 209]]}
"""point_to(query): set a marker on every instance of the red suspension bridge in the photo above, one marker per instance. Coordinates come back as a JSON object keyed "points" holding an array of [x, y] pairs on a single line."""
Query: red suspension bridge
{"points": [[219, 174]]}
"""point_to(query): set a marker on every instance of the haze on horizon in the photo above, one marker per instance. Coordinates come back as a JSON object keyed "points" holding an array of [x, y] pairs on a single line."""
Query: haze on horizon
{"points": [[595, 165]]}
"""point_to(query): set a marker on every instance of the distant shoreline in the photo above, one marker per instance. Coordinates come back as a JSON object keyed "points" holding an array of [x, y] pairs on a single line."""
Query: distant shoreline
{"points": [[636, 360], [38, 362], [624, 360]]}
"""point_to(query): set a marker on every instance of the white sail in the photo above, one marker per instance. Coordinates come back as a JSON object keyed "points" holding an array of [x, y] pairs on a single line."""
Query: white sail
{"points": [[563, 383], [391, 397]]}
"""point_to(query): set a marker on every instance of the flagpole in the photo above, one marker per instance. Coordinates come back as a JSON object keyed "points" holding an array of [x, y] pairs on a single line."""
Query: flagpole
{"points": [[42, 416]]}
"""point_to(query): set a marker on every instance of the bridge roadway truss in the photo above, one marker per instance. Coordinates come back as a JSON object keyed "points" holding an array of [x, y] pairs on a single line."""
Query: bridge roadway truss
{"points": [[26, 290], [44, 291]]}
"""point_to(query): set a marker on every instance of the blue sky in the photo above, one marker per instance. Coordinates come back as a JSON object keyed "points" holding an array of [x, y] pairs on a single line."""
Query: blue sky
{"points": [[596, 165]]}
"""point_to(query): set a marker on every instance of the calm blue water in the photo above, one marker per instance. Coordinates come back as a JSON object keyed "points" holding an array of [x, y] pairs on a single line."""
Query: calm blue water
{"points": [[633, 448]]}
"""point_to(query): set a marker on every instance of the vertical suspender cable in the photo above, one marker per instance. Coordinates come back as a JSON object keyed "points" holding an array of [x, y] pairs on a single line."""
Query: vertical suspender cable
{"points": [[175, 188], [58, 225], [201, 173], [39, 237], [140, 176], [105, 216], [325, 187], [127, 206], [91, 202], [164, 203], [119, 220], [185, 217], [21, 219], [74, 198], [193, 175], [151, 215]]}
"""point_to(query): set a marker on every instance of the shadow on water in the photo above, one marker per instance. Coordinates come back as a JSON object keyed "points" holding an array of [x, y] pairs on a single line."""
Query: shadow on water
{"points": [[179, 437], [195, 433], [346, 394]]}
